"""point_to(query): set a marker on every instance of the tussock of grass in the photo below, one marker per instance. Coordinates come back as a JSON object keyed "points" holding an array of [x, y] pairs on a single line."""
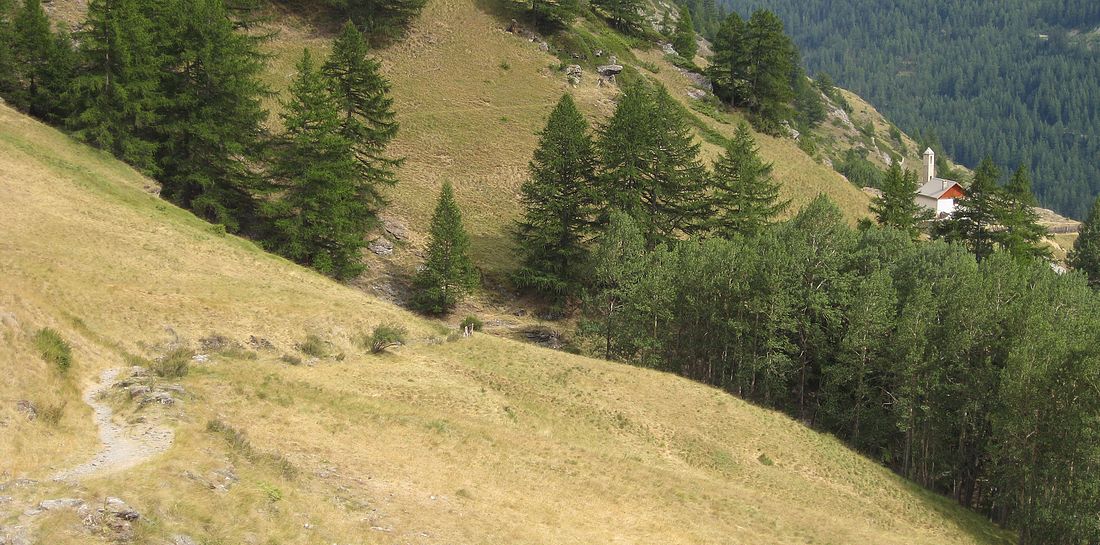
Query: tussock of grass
{"points": [[386, 336], [53, 348], [174, 364], [313, 345]]}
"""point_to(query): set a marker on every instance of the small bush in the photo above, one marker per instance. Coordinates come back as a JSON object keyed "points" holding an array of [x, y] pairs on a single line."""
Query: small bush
{"points": [[472, 322], [312, 346], [764, 459], [386, 335], [53, 348], [291, 359], [51, 414], [174, 364]]}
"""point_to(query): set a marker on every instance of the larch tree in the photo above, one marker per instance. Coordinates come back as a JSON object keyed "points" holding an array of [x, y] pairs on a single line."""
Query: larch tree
{"points": [[317, 216], [368, 119], [743, 196], [1085, 256], [382, 21], [897, 206], [975, 216], [558, 199], [624, 15], [32, 41], [683, 40], [1020, 233], [447, 274]]}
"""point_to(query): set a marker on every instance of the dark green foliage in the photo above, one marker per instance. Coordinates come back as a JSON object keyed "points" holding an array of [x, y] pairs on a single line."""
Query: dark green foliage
{"points": [[386, 336], [447, 273], [974, 380], [1019, 83], [624, 15], [743, 196], [211, 125], [53, 348], [548, 15], [1086, 249], [116, 94], [859, 170], [651, 167], [975, 216], [318, 214], [1020, 234], [752, 67], [897, 207], [382, 21], [473, 323], [173, 365], [558, 200], [31, 45], [9, 81], [683, 38], [366, 110], [313, 345]]}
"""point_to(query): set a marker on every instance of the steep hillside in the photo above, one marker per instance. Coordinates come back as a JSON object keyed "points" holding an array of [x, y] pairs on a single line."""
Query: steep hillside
{"points": [[477, 440]]}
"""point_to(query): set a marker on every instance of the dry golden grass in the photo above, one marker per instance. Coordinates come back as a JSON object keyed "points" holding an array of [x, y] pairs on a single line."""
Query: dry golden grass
{"points": [[478, 440]]}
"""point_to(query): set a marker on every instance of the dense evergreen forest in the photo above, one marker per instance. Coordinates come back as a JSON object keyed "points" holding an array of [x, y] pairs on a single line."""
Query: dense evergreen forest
{"points": [[1018, 82]]}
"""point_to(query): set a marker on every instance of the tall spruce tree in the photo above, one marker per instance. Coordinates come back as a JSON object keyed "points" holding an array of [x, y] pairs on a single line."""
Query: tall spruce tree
{"points": [[211, 123], [117, 94], [32, 43], [624, 15], [1085, 256], [8, 75], [317, 216], [368, 119], [651, 167], [728, 67], [447, 273], [897, 206], [53, 99], [381, 20], [1020, 233], [683, 40], [976, 215], [771, 59], [558, 198], [743, 196]]}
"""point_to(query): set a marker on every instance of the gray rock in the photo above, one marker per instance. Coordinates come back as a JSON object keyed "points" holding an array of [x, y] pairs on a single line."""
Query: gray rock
{"points": [[181, 539], [544, 47], [598, 52], [120, 509], [609, 70], [381, 246], [60, 503], [138, 390], [26, 407], [395, 229], [612, 59], [668, 49], [697, 94], [260, 343]]}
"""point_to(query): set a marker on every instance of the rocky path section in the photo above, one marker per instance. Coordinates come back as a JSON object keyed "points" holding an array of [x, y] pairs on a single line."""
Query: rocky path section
{"points": [[124, 446]]}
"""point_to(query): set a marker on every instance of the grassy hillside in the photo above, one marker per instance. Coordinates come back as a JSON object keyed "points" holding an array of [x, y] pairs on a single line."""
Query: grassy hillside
{"points": [[478, 440]]}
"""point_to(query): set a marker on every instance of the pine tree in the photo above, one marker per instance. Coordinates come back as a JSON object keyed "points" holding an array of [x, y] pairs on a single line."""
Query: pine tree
{"points": [[56, 78], [1086, 249], [744, 198], [651, 165], [1020, 233], [31, 45], [383, 21], [771, 57], [975, 216], [8, 76], [447, 273], [211, 123], [318, 217], [729, 65], [683, 41], [367, 110], [897, 207], [116, 95], [558, 200], [625, 15]]}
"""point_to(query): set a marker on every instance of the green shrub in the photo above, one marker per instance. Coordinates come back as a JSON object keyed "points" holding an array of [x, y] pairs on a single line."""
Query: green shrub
{"points": [[51, 414], [53, 348], [291, 359], [313, 346], [174, 364], [764, 459], [385, 336], [472, 322]]}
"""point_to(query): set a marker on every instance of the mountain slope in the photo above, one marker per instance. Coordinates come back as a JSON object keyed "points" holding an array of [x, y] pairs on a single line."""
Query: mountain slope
{"points": [[478, 440]]}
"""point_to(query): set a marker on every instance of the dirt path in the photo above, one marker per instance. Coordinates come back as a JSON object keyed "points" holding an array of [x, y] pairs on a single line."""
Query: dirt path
{"points": [[124, 445]]}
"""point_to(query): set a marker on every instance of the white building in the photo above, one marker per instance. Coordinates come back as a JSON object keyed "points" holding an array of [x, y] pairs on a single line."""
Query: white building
{"points": [[937, 194]]}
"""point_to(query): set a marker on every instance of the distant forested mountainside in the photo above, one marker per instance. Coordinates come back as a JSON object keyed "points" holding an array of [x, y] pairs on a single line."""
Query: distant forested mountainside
{"points": [[1019, 80]]}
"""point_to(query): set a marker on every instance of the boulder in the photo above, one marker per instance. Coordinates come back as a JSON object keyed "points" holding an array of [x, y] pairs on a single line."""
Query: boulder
{"points": [[120, 510], [60, 503], [395, 229], [668, 49], [573, 73], [609, 70], [27, 408], [381, 246]]}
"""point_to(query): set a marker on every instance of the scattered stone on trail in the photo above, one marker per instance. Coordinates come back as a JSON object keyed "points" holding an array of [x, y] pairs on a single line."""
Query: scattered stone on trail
{"points": [[27, 408], [60, 503], [609, 70], [380, 246], [260, 343]]}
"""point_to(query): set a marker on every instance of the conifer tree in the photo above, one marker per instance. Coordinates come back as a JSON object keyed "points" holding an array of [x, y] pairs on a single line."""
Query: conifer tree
{"points": [[318, 217], [116, 95], [683, 41], [897, 206], [1086, 249], [56, 78], [651, 165], [558, 199], [211, 125], [8, 76], [1020, 233], [624, 15], [975, 216], [729, 64], [381, 20], [368, 119], [32, 43], [771, 56], [743, 196], [447, 273]]}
